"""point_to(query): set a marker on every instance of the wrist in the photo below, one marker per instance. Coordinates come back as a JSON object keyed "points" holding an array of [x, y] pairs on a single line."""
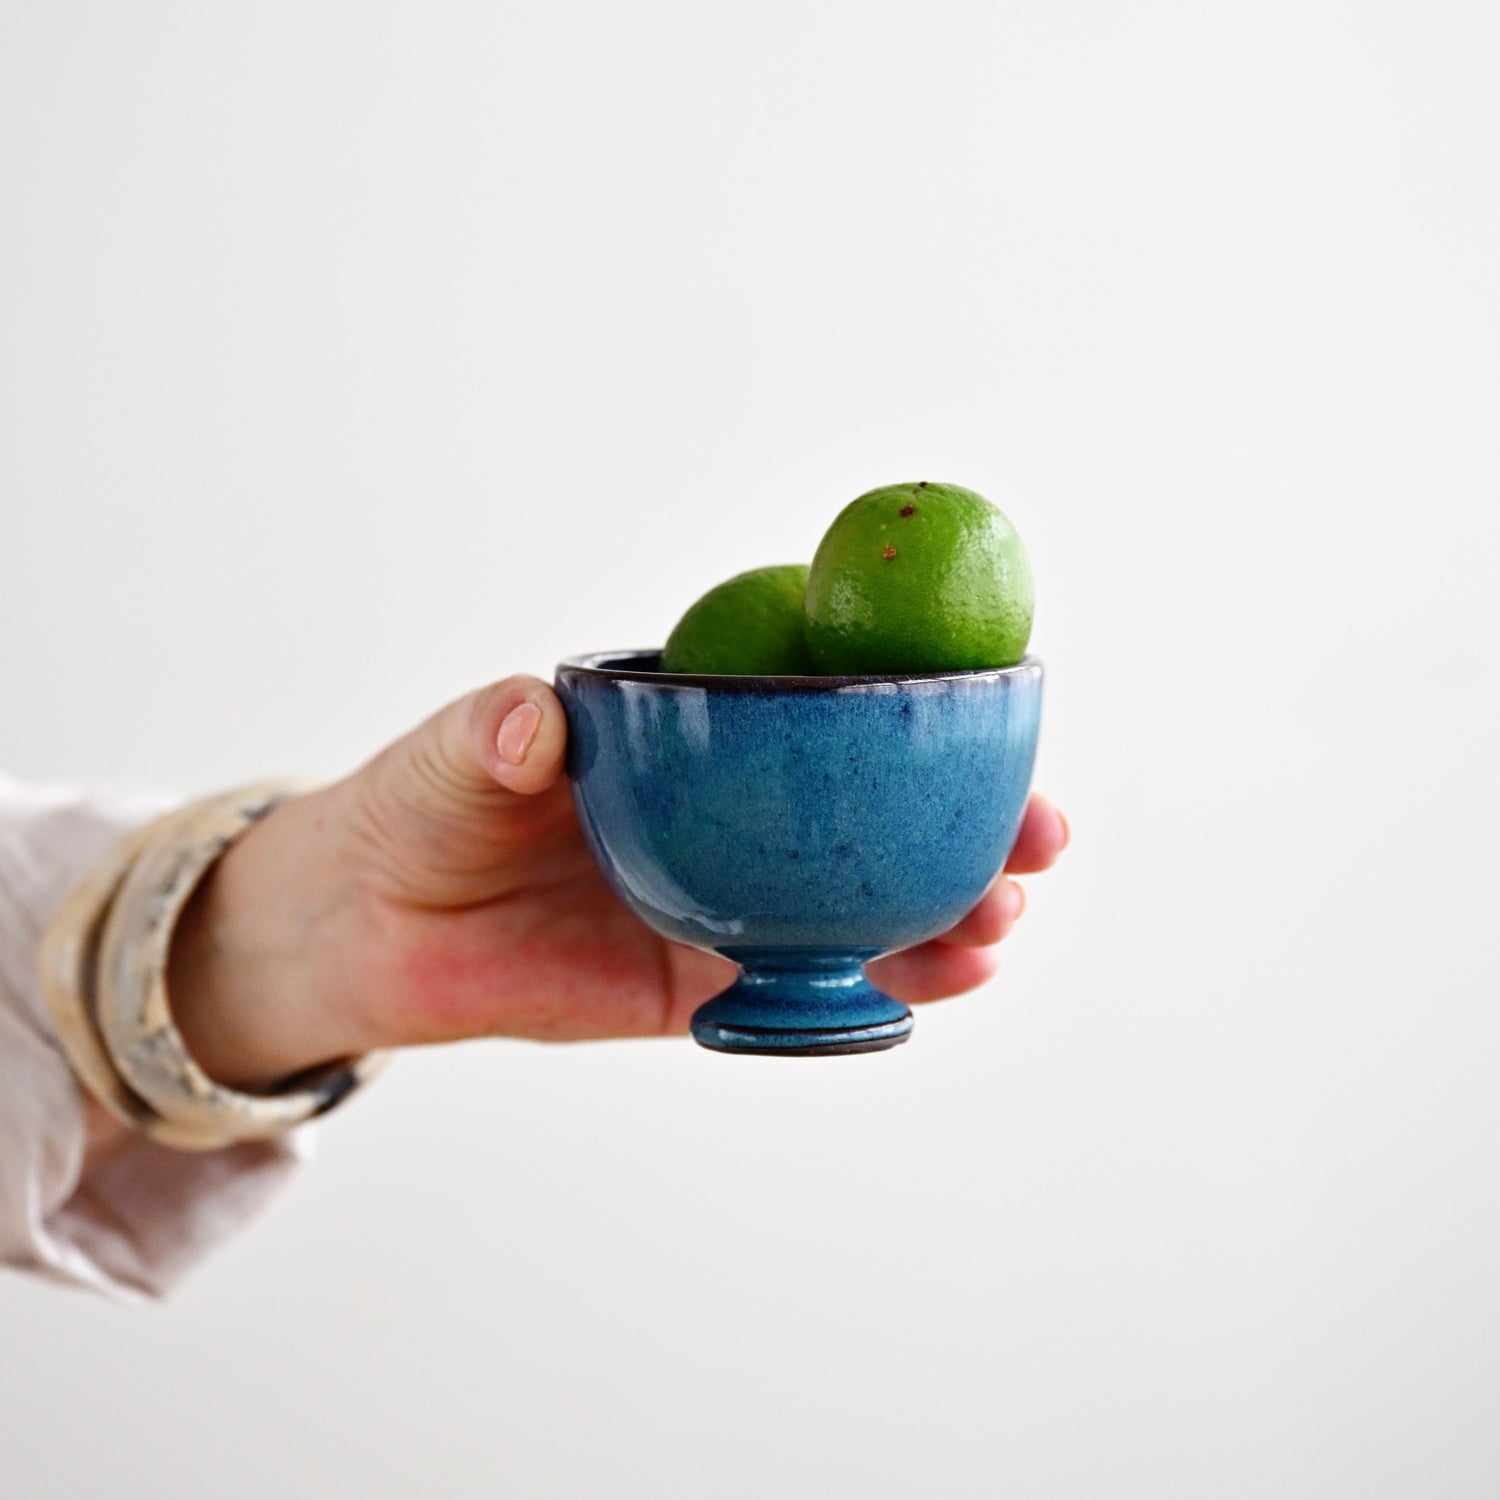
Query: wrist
{"points": [[253, 991]]}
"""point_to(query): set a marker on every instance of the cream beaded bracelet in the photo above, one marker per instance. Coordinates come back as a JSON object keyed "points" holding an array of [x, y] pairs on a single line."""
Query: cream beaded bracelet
{"points": [[104, 960]]}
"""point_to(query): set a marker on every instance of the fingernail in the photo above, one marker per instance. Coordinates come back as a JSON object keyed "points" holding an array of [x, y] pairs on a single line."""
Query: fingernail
{"points": [[1067, 832], [1015, 901], [517, 730]]}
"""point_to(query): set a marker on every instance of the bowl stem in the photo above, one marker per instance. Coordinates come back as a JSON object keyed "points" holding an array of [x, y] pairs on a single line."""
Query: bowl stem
{"points": [[801, 1003]]}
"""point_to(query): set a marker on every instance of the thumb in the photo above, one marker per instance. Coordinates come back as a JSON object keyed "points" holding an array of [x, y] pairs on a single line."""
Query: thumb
{"points": [[513, 732], [447, 808], [460, 763]]}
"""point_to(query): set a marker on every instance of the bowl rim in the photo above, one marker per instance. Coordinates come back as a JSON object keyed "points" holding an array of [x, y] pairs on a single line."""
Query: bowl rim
{"points": [[588, 665]]}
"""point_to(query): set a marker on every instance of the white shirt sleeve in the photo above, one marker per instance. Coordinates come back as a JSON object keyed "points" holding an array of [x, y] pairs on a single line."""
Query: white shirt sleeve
{"points": [[143, 1214]]}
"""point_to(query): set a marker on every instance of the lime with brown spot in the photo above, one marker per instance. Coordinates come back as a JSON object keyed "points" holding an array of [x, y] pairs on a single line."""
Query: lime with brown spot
{"points": [[749, 625], [918, 578]]}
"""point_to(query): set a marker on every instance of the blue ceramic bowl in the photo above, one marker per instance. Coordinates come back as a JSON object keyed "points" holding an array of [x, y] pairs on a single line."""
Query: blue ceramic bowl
{"points": [[800, 826]]}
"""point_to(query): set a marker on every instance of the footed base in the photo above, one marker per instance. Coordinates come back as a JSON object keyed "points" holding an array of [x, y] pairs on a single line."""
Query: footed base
{"points": [[801, 1005]]}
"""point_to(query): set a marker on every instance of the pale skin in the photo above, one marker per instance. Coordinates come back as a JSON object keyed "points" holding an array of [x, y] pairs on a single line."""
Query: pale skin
{"points": [[444, 891]]}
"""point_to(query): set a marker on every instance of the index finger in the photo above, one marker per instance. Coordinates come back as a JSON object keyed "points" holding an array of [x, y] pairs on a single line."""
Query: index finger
{"points": [[1044, 835]]}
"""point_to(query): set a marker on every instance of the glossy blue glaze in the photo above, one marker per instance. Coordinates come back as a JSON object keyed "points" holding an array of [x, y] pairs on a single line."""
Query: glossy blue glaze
{"points": [[800, 826]]}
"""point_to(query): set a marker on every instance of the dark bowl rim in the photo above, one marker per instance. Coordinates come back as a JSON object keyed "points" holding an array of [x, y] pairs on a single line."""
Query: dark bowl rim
{"points": [[587, 664]]}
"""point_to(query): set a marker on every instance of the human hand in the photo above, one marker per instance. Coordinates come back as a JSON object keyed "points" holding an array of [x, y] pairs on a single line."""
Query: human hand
{"points": [[444, 891]]}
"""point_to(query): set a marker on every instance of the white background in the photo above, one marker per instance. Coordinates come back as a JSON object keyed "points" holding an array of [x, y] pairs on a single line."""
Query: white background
{"points": [[352, 355]]}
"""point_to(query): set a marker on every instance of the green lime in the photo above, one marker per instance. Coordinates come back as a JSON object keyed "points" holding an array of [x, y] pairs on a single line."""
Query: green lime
{"points": [[750, 625], [918, 578]]}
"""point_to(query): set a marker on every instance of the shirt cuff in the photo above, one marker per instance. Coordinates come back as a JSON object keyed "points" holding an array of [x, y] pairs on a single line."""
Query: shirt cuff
{"points": [[140, 1215]]}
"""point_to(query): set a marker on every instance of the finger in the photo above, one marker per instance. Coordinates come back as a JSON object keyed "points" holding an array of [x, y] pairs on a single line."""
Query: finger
{"points": [[520, 730], [511, 734], [1044, 835], [993, 915], [934, 971]]}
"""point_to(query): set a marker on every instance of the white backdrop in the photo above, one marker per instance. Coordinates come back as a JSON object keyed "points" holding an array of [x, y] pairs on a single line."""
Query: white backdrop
{"points": [[352, 355]]}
